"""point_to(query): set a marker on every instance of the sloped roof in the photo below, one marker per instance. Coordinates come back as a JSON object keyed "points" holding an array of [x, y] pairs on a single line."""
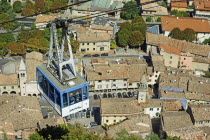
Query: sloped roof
{"points": [[51, 122], [22, 112], [184, 46], [94, 37], [178, 3], [135, 125], [8, 79], [22, 66], [119, 106], [200, 112], [168, 23], [175, 120], [202, 4], [169, 49]]}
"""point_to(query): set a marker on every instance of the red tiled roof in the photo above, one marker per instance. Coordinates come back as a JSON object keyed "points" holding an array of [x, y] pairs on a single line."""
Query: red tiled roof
{"points": [[176, 3], [197, 24], [169, 49], [202, 4]]}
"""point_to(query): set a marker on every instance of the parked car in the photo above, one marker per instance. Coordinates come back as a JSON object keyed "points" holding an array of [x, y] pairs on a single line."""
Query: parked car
{"points": [[88, 114], [87, 55], [71, 116], [77, 115], [95, 55], [82, 114], [104, 54], [93, 124]]}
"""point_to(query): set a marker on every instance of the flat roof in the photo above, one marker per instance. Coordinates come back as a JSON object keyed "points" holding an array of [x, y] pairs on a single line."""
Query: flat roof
{"points": [[78, 80]]}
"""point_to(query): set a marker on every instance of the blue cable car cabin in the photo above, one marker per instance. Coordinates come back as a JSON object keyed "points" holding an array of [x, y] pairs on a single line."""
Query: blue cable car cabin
{"points": [[66, 99]]}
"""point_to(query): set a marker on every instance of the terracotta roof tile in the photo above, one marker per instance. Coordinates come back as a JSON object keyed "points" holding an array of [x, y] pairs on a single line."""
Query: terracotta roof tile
{"points": [[202, 4], [169, 49], [175, 120], [8, 79], [168, 23], [178, 3], [184, 46], [140, 124], [94, 37], [201, 60], [200, 112], [119, 106]]}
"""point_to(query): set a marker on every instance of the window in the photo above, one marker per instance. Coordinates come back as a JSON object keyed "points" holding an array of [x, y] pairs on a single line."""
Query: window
{"points": [[124, 84], [170, 62], [99, 86], [87, 49], [99, 81], [151, 109], [94, 43], [75, 96], [87, 43], [107, 86], [114, 80], [94, 49], [12, 87], [184, 58], [125, 80], [65, 100], [170, 57], [107, 120], [114, 121], [83, 44], [101, 48], [156, 75], [83, 50], [157, 109], [130, 84], [4, 87], [107, 80]]}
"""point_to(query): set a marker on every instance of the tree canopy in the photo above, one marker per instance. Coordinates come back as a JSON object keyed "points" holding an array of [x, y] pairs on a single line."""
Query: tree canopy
{"points": [[132, 33], [136, 39], [39, 6], [189, 35], [130, 10], [176, 33], [17, 7], [180, 13], [29, 9]]}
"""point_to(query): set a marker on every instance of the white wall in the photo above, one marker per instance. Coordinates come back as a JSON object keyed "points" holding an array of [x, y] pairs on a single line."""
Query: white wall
{"points": [[153, 79], [152, 113], [202, 36], [95, 46]]}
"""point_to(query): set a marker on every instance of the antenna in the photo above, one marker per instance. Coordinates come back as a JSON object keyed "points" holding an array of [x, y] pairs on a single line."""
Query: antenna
{"points": [[62, 68]]}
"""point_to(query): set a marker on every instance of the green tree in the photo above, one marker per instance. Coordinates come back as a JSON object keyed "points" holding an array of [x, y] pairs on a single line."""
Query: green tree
{"points": [[136, 39], [189, 35], [152, 136], [113, 44], [207, 74], [36, 136], [158, 19], [138, 24], [126, 25], [3, 49], [149, 19], [55, 6], [7, 38], [124, 135], [206, 41], [4, 6], [176, 33], [16, 48], [28, 10], [5, 18], [122, 37], [24, 36], [39, 6], [75, 45], [17, 7], [180, 13], [130, 10], [48, 5]]}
